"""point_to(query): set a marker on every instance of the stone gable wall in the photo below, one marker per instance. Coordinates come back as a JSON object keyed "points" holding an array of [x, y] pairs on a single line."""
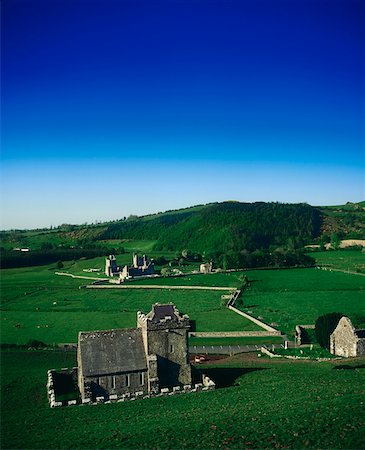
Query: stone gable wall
{"points": [[343, 341]]}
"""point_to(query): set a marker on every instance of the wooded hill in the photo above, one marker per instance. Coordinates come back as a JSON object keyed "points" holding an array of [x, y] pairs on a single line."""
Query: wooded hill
{"points": [[232, 234], [222, 227]]}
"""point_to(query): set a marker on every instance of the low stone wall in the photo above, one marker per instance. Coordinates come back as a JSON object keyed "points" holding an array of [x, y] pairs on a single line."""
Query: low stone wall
{"points": [[51, 387], [256, 321], [267, 352], [215, 334], [206, 385], [82, 277], [157, 286]]}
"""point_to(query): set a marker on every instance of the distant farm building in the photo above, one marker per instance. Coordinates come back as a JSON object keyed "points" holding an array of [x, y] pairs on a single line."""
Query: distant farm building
{"points": [[140, 360], [206, 268], [346, 340]]}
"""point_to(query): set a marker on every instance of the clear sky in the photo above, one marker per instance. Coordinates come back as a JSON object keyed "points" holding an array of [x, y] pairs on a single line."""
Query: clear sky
{"points": [[118, 107]]}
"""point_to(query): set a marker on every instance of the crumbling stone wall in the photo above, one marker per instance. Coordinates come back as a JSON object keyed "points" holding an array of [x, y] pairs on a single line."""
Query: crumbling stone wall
{"points": [[206, 385]]}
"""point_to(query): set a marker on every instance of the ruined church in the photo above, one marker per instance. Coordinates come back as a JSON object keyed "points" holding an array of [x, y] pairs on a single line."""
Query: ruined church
{"points": [[144, 359], [346, 340], [141, 266]]}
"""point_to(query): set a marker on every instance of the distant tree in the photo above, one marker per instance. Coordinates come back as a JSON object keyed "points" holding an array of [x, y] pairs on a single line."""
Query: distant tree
{"points": [[59, 265], [165, 272], [325, 326], [335, 241], [160, 261]]}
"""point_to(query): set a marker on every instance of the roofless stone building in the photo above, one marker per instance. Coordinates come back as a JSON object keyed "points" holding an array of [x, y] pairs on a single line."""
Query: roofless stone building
{"points": [[346, 340], [139, 360]]}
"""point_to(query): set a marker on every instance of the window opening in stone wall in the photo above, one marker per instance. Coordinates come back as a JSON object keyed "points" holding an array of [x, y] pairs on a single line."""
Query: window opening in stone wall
{"points": [[113, 382], [141, 378], [98, 381], [171, 348], [127, 380]]}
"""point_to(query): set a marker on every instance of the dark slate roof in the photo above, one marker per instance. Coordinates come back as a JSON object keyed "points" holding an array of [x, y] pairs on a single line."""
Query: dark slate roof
{"points": [[161, 311], [360, 333], [112, 351]]}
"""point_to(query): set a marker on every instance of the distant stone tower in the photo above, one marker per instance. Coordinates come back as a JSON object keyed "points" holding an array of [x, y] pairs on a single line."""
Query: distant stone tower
{"points": [[165, 337], [111, 267], [140, 262]]}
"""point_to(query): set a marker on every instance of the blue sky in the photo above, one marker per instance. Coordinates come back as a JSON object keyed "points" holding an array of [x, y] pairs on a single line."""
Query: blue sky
{"points": [[111, 108]]}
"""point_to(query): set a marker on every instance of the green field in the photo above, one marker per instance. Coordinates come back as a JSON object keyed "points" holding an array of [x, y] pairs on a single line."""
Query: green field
{"points": [[37, 304], [341, 259], [209, 279], [281, 403], [274, 404], [299, 296]]}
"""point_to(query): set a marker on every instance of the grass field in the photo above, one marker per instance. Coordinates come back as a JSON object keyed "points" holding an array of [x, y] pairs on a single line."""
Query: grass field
{"points": [[274, 404], [209, 279], [37, 304], [341, 259], [299, 296]]}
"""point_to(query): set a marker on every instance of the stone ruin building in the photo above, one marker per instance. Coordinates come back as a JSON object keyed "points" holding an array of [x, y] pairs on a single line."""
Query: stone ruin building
{"points": [[141, 360], [346, 340], [302, 335], [141, 266], [111, 267], [206, 268]]}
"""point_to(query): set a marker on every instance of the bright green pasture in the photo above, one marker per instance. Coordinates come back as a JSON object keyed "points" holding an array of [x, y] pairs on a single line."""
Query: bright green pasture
{"points": [[37, 304], [231, 279], [137, 246], [299, 296], [275, 404], [341, 259], [130, 245]]}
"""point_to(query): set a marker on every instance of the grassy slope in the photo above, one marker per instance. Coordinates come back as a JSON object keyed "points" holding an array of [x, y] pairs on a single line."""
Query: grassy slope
{"points": [[287, 297], [341, 259], [23, 291], [299, 296], [214, 279], [276, 404]]}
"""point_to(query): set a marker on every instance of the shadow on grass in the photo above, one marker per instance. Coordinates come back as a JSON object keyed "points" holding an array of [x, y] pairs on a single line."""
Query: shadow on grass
{"points": [[348, 367], [226, 377]]}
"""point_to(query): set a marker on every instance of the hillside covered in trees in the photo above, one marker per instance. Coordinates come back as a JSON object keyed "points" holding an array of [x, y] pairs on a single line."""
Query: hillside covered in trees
{"points": [[231, 234], [222, 227]]}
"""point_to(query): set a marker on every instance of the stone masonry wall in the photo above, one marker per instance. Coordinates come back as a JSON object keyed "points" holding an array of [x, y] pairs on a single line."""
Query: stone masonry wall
{"points": [[206, 385]]}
